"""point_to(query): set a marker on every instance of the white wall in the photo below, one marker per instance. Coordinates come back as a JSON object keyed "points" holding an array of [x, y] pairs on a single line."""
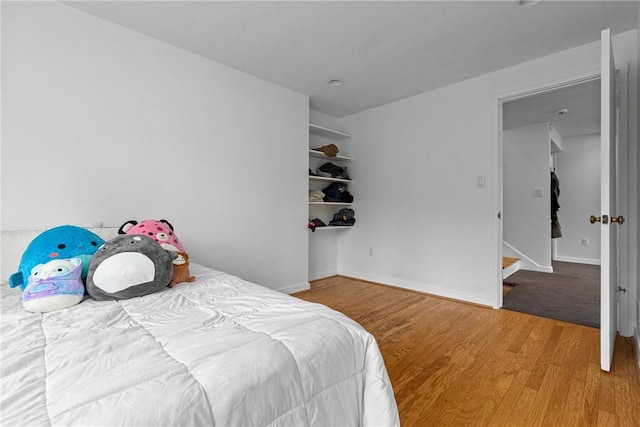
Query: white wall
{"points": [[634, 177], [578, 169], [526, 218], [323, 253], [431, 228], [104, 124]]}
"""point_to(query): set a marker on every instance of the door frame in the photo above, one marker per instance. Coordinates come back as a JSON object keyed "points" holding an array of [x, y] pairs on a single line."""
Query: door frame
{"points": [[624, 314], [500, 101]]}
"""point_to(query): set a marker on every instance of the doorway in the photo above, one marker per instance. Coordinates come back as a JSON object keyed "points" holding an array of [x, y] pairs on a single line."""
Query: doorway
{"points": [[571, 113]]}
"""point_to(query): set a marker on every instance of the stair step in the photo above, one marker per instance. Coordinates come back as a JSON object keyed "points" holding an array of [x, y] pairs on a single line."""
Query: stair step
{"points": [[509, 266], [506, 261]]}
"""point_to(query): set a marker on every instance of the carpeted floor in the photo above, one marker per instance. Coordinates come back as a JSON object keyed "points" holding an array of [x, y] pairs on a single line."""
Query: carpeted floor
{"points": [[571, 293]]}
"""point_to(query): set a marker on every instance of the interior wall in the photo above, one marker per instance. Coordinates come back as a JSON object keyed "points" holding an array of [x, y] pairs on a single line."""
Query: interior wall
{"points": [[323, 254], [430, 226], [526, 194], [578, 170], [634, 274], [102, 124]]}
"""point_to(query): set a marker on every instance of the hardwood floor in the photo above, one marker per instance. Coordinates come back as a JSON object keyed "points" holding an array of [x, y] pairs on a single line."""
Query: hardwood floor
{"points": [[453, 363]]}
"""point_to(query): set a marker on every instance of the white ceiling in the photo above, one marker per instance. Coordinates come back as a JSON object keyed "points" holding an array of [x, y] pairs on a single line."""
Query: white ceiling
{"points": [[582, 102], [382, 50]]}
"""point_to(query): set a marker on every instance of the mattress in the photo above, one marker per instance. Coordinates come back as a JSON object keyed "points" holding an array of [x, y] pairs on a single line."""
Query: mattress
{"points": [[219, 351]]}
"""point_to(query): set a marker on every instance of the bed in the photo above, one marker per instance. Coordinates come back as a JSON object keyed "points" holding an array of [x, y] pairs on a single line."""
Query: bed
{"points": [[218, 351]]}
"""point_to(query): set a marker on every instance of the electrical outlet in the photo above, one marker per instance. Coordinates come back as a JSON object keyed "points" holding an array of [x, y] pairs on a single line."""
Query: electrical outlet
{"points": [[537, 192], [585, 241], [370, 250]]}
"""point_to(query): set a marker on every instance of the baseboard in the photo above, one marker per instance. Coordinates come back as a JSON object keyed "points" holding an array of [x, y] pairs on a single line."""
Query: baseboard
{"points": [[295, 288], [577, 260], [636, 333], [538, 268], [526, 263], [322, 274], [420, 287], [637, 343]]}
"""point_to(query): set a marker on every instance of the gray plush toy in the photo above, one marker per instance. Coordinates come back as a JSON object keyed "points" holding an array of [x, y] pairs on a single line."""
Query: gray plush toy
{"points": [[129, 266]]}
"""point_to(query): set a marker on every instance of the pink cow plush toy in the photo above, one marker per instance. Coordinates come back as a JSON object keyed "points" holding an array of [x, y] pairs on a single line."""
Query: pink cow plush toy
{"points": [[162, 232]]}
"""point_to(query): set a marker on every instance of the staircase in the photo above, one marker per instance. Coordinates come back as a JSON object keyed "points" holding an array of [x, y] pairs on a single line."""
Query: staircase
{"points": [[509, 266]]}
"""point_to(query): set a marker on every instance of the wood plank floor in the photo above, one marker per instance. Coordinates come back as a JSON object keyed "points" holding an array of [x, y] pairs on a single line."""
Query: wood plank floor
{"points": [[453, 363]]}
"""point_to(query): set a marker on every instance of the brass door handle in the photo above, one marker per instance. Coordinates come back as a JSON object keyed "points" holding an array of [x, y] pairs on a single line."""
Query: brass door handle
{"points": [[618, 219]]}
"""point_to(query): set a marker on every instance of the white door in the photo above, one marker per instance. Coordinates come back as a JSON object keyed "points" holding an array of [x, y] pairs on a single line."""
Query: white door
{"points": [[608, 221]]}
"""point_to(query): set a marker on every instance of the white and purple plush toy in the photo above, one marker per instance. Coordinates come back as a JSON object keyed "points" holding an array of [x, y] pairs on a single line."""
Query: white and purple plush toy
{"points": [[54, 286]]}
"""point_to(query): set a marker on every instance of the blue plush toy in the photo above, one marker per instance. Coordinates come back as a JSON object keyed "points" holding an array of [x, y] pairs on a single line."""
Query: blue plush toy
{"points": [[65, 241]]}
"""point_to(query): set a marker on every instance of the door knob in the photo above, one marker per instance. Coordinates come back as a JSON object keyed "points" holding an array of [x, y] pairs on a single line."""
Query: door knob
{"points": [[605, 220], [618, 219]]}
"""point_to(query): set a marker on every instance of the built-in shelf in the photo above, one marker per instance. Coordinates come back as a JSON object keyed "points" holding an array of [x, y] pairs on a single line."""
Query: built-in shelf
{"points": [[327, 133], [330, 203], [326, 210], [327, 179], [321, 155], [334, 227]]}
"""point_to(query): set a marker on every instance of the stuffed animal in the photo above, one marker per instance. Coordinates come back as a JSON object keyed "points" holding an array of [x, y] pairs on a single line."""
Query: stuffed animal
{"points": [[62, 242], [128, 267], [162, 232], [181, 270], [54, 286]]}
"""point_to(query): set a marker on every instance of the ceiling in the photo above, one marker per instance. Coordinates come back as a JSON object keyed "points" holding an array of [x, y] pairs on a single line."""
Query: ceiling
{"points": [[581, 102], [383, 51]]}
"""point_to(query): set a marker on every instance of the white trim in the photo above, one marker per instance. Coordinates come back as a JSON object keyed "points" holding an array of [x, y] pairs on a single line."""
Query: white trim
{"points": [[323, 274], [437, 290], [550, 86], [534, 265], [506, 272], [636, 334], [636, 341], [500, 100], [589, 261], [295, 288], [538, 268]]}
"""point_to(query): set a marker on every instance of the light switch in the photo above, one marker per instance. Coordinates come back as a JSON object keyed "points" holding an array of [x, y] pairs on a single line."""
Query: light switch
{"points": [[481, 181]]}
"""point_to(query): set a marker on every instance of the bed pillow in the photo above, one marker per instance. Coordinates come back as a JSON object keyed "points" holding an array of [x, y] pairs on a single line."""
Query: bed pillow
{"points": [[129, 266]]}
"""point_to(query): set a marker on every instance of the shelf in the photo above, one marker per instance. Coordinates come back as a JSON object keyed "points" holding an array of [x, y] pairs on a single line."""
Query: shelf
{"points": [[333, 227], [327, 179], [321, 207], [330, 204], [321, 155], [327, 133]]}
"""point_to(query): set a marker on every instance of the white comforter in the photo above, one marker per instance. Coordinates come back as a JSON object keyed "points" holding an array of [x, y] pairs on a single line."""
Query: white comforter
{"points": [[220, 351]]}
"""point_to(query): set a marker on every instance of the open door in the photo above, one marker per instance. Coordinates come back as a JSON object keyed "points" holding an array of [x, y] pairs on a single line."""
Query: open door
{"points": [[608, 222]]}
